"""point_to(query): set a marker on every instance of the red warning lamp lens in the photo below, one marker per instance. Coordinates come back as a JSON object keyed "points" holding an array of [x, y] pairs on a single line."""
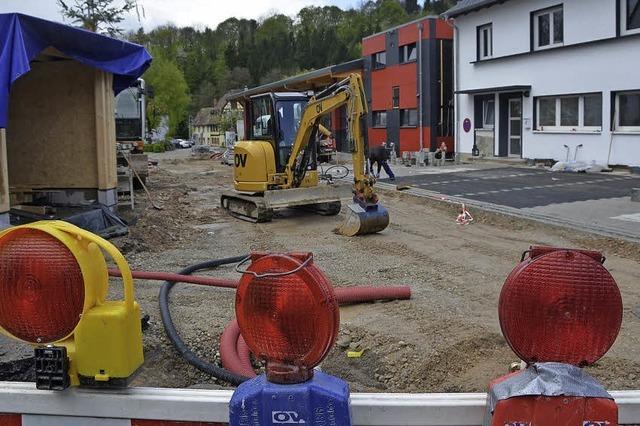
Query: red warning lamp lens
{"points": [[291, 320], [41, 287], [562, 306]]}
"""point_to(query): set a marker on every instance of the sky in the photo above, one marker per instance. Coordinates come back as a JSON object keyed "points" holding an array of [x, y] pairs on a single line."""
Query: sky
{"points": [[181, 12]]}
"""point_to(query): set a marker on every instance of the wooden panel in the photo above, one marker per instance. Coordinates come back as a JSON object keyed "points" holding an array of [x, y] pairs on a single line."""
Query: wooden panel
{"points": [[51, 135], [4, 177], [105, 131]]}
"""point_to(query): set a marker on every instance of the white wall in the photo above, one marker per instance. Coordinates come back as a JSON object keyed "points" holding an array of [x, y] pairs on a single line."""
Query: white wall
{"points": [[602, 67]]}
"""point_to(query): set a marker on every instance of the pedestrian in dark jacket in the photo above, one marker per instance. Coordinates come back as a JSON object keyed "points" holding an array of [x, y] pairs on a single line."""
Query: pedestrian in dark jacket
{"points": [[379, 155]]}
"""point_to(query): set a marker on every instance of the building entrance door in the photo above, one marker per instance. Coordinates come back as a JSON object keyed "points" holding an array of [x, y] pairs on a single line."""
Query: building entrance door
{"points": [[515, 127]]}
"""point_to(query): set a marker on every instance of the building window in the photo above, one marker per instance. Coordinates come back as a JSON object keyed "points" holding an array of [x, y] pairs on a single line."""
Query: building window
{"points": [[395, 97], [485, 42], [380, 119], [627, 112], [569, 113], [408, 53], [379, 60], [629, 16], [488, 113], [408, 117], [548, 28]]}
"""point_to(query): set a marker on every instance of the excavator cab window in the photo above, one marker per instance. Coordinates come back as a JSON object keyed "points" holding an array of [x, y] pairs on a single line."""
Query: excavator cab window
{"points": [[262, 118], [289, 116]]}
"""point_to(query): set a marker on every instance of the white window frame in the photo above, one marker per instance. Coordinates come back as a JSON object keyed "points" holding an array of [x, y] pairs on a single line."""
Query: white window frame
{"points": [[487, 28], [379, 113], [408, 111], [552, 44], [623, 20], [404, 53], [617, 126], [375, 60], [485, 125], [567, 129]]}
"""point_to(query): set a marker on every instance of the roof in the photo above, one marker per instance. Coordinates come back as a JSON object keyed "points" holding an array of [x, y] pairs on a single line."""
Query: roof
{"points": [[23, 37], [513, 88], [466, 6], [205, 117], [224, 100], [308, 81]]}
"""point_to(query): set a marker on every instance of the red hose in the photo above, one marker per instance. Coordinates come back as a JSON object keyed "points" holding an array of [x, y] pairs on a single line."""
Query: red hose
{"points": [[168, 276], [231, 359], [234, 352], [363, 294]]}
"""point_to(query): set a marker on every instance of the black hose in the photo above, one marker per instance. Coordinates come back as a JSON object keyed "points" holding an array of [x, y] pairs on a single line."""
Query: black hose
{"points": [[174, 337]]}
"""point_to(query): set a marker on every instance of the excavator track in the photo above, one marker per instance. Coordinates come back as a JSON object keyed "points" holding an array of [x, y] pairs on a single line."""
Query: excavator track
{"points": [[249, 208]]}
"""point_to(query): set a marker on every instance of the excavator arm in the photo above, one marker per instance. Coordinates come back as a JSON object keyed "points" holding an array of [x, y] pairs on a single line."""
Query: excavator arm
{"points": [[365, 215], [348, 92]]}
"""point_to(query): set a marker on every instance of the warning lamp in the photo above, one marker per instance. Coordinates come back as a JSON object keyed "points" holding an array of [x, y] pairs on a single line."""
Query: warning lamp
{"points": [[560, 305], [559, 309], [53, 290], [288, 315]]}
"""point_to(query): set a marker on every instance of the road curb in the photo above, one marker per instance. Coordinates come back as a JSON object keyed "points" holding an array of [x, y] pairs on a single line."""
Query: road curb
{"points": [[510, 211]]}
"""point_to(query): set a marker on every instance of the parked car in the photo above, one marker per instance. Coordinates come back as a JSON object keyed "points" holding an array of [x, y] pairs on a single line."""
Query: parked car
{"points": [[181, 143]]}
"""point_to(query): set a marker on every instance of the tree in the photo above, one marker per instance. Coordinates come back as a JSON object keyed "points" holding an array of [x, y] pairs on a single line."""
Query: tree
{"points": [[411, 6], [437, 7], [170, 93], [390, 13], [99, 16]]}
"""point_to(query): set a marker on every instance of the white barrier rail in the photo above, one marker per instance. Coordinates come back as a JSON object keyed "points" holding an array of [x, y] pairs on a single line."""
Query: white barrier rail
{"points": [[379, 409]]}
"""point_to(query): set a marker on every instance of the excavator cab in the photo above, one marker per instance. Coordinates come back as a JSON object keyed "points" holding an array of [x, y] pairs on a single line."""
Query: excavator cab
{"points": [[275, 121], [275, 118]]}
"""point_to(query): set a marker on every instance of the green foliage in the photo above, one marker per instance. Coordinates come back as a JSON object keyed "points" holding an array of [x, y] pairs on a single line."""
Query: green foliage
{"points": [[155, 147], [170, 92], [437, 7], [100, 16], [198, 66]]}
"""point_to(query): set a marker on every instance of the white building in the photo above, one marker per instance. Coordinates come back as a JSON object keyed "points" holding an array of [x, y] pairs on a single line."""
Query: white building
{"points": [[538, 78]]}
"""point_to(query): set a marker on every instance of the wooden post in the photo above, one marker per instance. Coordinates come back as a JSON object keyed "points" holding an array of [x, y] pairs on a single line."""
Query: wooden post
{"points": [[105, 131], [4, 173]]}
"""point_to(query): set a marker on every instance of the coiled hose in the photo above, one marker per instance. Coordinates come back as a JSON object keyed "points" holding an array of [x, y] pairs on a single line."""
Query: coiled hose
{"points": [[174, 337], [234, 352]]}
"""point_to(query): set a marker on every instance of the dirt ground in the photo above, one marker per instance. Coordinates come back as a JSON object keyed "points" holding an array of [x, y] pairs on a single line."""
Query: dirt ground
{"points": [[446, 339]]}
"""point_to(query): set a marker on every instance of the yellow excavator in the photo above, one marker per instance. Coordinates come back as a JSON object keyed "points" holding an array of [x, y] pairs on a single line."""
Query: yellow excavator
{"points": [[277, 166]]}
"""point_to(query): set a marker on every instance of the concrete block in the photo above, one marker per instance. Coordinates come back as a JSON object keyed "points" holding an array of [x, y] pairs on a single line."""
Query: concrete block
{"points": [[635, 195]]}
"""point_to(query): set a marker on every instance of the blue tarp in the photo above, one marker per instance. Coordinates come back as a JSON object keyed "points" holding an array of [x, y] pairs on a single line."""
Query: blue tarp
{"points": [[23, 37]]}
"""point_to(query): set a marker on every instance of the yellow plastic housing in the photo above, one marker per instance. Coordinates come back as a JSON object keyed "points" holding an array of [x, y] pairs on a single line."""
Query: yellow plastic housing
{"points": [[105, 348]]}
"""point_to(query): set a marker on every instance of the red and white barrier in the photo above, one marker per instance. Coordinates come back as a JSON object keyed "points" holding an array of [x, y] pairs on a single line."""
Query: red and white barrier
{"points": [[24, 405]]}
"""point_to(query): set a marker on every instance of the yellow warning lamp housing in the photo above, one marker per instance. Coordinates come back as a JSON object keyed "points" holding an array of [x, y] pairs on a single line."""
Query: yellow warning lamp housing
{"points": [[53, 290]]}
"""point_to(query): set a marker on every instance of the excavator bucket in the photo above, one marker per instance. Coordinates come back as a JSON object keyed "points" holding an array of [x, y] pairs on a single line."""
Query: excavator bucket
{"points": [[364, 220]]}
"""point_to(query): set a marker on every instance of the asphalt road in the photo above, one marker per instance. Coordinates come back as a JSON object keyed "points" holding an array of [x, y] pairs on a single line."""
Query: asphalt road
{"points": [[523, 187]]}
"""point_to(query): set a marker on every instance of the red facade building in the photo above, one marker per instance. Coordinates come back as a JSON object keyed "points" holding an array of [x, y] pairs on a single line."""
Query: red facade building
{"points": [[408, 74]]}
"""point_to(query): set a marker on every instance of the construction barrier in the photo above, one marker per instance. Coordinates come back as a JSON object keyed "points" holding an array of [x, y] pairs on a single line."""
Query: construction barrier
{"points": [[25, 405]]}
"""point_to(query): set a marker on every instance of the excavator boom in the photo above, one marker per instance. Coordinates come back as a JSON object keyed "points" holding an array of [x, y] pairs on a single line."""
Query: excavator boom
{"points": [[365, 215]]}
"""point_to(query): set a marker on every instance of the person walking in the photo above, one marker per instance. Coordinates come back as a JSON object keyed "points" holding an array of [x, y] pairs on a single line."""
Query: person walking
{"points": [[379, 155]]}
